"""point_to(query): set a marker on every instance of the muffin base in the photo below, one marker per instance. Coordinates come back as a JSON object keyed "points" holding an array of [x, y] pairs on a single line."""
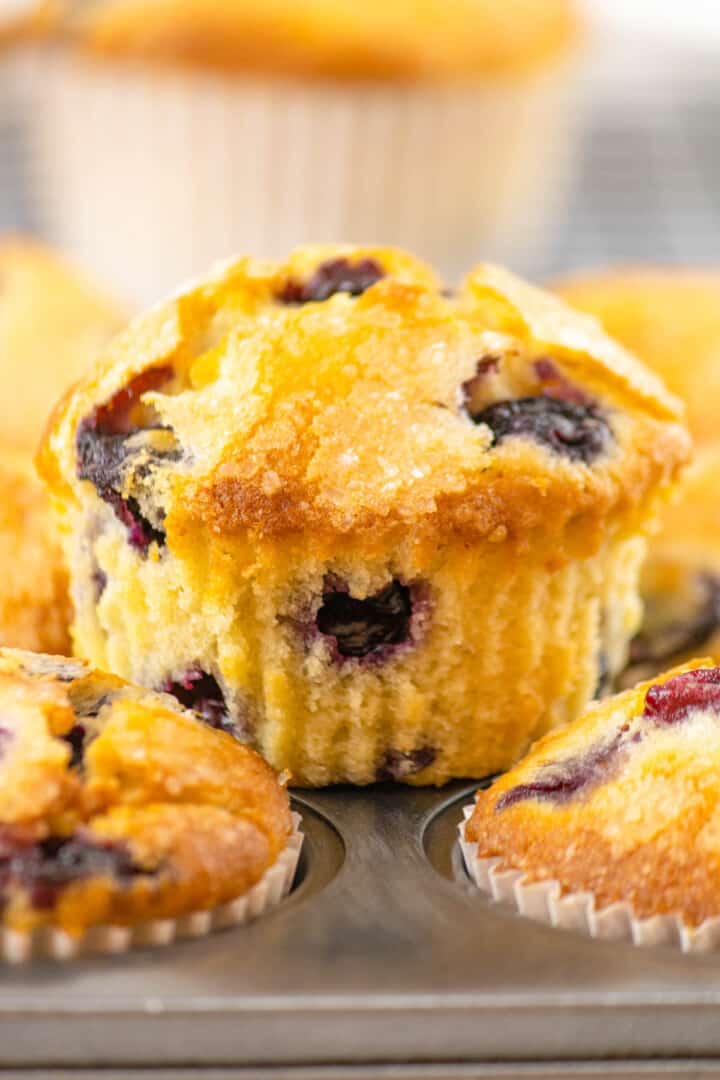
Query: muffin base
{"points": [[505, 644], [52, 943], [547, 902]]}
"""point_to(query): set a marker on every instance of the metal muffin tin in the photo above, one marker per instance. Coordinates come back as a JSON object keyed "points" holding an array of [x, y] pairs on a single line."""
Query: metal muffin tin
{"points": [[385, 962]]}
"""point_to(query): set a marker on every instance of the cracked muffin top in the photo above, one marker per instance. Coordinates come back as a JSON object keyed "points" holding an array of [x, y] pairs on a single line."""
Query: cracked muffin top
{"points": [[117, 805], [346, 392], [52, 325], [623, 803], [671, 320], [336, 39]]}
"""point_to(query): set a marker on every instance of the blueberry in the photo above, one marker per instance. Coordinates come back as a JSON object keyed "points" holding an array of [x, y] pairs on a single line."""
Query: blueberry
{"points": [[364, 627], [200, 691], [334, 276], [104, 452], [75, 738], [47, 867], [672, 702], [400, 764], [575, 431]]}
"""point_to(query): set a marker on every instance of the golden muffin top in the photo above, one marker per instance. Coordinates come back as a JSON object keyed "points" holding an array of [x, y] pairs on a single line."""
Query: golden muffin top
{"points": [[117, 805], [336, 39], [669, 318], [52, 324], [346, 392], [623, 803]]}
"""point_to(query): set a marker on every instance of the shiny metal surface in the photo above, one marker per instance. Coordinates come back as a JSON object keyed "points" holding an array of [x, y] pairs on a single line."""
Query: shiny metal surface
{"points": [[384, 954]]}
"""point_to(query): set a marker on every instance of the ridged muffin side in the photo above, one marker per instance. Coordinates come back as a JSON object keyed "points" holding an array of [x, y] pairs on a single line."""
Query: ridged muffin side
{"points": [[387, 530]]}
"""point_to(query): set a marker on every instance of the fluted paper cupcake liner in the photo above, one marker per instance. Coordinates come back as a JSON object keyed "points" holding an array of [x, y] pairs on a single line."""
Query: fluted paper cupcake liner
{"points": [[195, 166], [49, 943], [547, 902]]}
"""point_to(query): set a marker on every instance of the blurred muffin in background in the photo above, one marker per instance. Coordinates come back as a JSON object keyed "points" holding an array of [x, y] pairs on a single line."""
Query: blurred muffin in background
{"points": [[34, 603], [21, 19], [380, 39], [211, 125], [51, 323], [671, 319]]}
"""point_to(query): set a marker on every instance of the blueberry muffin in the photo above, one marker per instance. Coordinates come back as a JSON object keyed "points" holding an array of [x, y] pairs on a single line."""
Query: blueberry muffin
{"points": [[385, 530], [35, 608], [52, 323], [117, 806], [623, 803], [671, 319], [334, 39]]}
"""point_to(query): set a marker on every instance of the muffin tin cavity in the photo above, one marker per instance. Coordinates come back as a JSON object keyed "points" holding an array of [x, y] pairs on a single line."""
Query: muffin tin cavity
{"points": [[333, 276], [323, 851], [440, 835]]}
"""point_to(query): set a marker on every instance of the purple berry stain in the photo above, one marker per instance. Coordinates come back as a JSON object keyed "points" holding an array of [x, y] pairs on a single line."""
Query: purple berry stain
{"points": [[333, 276], [46, 867], [201, 692], [561, 781], [398, 765], [361, 628], [673, 701], [577, 432], [102, 452], [556, 385]]}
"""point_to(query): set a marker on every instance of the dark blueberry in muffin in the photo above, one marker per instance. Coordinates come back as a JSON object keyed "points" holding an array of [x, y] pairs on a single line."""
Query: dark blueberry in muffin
{"points": [[561, 781], [141, 533], [75, 738], [334, 276], [47, 867], [363, 627], [574, 431], [672, 702], [400, 764], [200, 691], [107, 450]]}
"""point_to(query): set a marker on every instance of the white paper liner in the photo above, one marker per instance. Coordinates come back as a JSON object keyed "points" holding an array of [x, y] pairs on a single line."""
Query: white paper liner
{"points": [[48, 943], [149, 177], [544, 901]]}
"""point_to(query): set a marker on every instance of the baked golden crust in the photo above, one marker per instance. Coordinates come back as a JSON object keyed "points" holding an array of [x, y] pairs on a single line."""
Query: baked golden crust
{"points": [[622, 803], [671, 320], [35, 609], [345, 417], [52, 324], [400, 40], [118, 806]]}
